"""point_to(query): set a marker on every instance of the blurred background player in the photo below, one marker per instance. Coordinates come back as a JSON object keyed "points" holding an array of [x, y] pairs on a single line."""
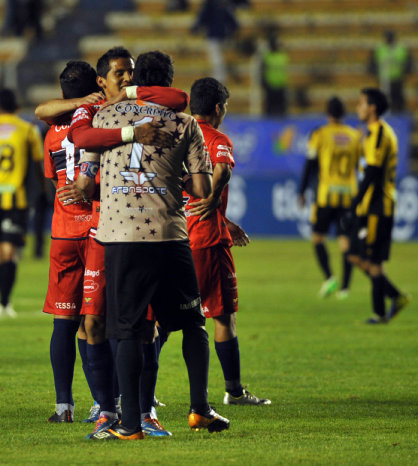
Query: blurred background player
{"points": [[375, 205], [212, 235], [333, 154], [19, 141], [69, 232]]}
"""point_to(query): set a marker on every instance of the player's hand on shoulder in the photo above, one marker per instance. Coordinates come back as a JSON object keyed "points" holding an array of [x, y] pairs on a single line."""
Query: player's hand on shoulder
{"points": [[91, 98], [150, 134], [238, 235]]}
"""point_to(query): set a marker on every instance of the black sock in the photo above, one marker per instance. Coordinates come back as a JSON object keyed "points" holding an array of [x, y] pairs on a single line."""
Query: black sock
{"points": [[390, 289], [322, 256], [228, 354], [347, 269], [378, 295], [63, 353], [114, 346], [196, 356], [149, 375], [129, 365], [100, 367], [7, 280], [82, 349]]}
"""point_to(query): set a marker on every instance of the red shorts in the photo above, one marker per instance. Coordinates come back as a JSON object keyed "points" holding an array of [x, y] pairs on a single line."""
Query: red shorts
{"points": [[217, 280], [94, 295], [66, 276]]}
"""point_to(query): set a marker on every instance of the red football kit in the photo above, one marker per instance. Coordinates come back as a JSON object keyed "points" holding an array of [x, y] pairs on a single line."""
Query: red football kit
{"points": [[210, 239], [69, 230]]}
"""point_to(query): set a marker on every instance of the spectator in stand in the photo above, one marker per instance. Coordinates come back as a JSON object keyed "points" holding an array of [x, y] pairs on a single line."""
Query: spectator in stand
{"points": [[391, 62], [274, 76], [23, 14]]}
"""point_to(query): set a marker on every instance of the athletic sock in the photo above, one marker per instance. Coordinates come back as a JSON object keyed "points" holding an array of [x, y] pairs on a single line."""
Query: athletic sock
{"points": [[100, 368], [378, 295], [323, 259], [149, 376], [129, 365], [82, 349], [7, 280], [229, 357], [196, 356], [63, 354], [347, 270], [114, 345], [390, 289]]}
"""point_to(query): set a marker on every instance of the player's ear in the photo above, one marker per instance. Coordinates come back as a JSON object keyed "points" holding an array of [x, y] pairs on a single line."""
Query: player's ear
{"points": [[101, 82], [219, 109]]}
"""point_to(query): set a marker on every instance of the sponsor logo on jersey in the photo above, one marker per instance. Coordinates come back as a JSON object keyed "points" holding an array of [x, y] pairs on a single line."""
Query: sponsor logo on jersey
{"points": [[65, 305], [149, 109], [223, 153], [61, 128], [90, 286], [80, 114], [205, 310], [190, 304], [139, 190], [82, 218], [91, 273], [87, 300]]}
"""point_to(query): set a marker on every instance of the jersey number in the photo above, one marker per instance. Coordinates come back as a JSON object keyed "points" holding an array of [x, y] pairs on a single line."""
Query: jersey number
{"points": [[7, 162], [137, 147], [341, 164]]}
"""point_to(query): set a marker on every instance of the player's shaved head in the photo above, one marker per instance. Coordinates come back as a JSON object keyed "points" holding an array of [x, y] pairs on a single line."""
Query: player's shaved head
{"points": [[205, 94], [377, 98], [154, 69], [8, 101], [78, 79], [103, 63], [335, 108]]}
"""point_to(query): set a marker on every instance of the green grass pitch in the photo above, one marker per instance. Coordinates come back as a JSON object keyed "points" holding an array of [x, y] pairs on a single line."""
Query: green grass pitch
{"points": [[342, 392]]}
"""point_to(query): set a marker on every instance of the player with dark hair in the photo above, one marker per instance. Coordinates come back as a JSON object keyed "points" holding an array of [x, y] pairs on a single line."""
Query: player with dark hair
{"points": [[19, 141], [147, 255], [212, 235], [374, 205], [333, 154], [69, 231]]}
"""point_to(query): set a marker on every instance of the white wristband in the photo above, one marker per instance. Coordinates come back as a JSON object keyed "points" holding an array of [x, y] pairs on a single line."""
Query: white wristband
{"points": [[128, 134], [131, 92]]}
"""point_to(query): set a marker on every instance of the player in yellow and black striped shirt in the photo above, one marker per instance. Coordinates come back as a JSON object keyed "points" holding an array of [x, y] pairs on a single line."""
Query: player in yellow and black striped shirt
{"points": [[375, 204], [19, 140], [333, 151]]}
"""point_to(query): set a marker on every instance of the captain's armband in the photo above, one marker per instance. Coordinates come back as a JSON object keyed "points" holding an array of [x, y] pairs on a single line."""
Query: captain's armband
{"points": [[89, 169]]}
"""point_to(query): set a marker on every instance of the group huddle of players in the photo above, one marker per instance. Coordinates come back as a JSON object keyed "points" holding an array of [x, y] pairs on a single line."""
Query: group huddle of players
{"points": [[94, 139]]}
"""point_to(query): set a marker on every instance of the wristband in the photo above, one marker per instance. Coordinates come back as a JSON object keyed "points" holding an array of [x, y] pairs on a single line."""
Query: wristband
{"points": [[131, 92], [89, 169], [128, 134]]}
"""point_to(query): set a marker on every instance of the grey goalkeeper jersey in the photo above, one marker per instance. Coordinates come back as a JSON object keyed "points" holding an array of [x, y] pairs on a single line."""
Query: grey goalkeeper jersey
{"points": [[141, 186]]}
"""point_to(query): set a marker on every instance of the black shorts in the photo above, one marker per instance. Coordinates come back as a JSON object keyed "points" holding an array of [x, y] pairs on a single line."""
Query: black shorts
{"points": [[13, 226], [160, 274], [371, 238], [323, 217]]}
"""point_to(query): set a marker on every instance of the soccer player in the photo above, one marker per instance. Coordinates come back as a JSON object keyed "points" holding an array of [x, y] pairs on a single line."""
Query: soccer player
{"points": [[147, 254], [210, 239], [375, 205], [333, 154], [69, 231], [19, 140]]}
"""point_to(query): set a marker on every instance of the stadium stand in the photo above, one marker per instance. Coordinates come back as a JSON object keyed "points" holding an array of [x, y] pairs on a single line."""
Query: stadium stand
{"points": [[329, 43]]}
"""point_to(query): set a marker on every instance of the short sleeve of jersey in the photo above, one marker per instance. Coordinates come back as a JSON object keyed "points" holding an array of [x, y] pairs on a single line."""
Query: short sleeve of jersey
{"points": [[221, 150], [198, 160], [314, 144], [84, 115], [35, 141], [48, 162], [376, 149]]}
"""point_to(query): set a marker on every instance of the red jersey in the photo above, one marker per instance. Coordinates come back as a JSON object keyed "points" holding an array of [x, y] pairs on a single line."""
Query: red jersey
{"points": [[212, 230], [61, 163]]}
